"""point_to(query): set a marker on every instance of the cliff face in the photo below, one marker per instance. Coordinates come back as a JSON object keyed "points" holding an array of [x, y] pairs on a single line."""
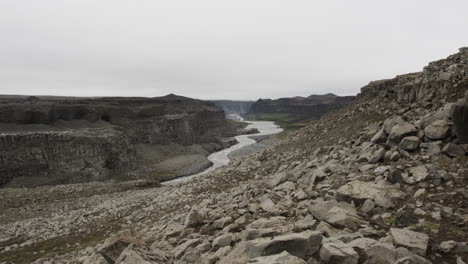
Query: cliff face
{"points": [[312, 107], [43, 158], [45, 141], [446, 78]]}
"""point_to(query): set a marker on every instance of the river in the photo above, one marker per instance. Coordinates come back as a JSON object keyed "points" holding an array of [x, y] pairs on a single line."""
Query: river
{"points": [[221, 158]]}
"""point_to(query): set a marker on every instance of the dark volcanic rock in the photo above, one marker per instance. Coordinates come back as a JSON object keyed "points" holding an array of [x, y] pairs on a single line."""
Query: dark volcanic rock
{"points": [[460, 120], [312, 107], [54, 141]]}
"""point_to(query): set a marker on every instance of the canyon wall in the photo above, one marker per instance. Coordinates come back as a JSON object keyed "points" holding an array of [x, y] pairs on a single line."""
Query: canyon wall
{"points": [[312, 107], [46, 141]]}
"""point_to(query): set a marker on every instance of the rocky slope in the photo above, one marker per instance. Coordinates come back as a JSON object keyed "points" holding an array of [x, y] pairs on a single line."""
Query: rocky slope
{"points": [[55, 141], [298, 108], [381, 181]]}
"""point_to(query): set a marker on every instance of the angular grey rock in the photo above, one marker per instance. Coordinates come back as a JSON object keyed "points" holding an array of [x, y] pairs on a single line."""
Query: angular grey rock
{"points": [[437, 130], [447, 246], [414, 241], [320, 208], [360, 191], [418, 174], [379, 137], [453, 150], [180, 250], [381, 253], [389, 123], [340, 217], [132, 254], [460, 120], [395, 176], [282, 258], [222, 240], [338, 252], [400, 131], [367, 206], [409, 143], [193, 219], [298, 244], [268, 206]]}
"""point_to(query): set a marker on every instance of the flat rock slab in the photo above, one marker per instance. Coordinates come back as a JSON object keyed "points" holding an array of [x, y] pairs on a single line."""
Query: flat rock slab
{"points": [[298, 244], [414, 241], [360, 191], [282, 258]]}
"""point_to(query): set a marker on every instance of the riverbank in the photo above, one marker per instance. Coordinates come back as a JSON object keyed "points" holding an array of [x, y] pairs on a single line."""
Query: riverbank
{"points": [[263, 142]]}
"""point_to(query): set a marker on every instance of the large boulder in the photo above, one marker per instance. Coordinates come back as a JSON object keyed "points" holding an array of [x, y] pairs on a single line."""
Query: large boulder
{"points": [[409, 143], [400, 131], [460, 120], [437, 130], [414, 241], [359, 191], [453, 150], [337, 252], [298, 244], [343, 218]]}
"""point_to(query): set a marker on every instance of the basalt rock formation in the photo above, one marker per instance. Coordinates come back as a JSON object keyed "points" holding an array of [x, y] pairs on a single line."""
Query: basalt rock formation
{"points": [[381, 181], [298, 108], [51, 141]]}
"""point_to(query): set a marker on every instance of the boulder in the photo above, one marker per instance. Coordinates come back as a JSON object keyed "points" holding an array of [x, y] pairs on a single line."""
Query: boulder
{"points": [[337, 252], [114, 245], [193, 219], [222, 240], [298, 244], [281, 258], [409, 143], [268, 206], [414, 241], [389, 123], [379, 137], [437, 130], [460, 120], [453, 150], [343, 218], [400, 131], [395, 176], [418, 174], [359, 191], [381, 253], [133, 254]]}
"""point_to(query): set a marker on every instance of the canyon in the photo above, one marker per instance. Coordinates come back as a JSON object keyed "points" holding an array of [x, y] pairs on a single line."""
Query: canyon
{"points": [[381, 180], [65, 140]]}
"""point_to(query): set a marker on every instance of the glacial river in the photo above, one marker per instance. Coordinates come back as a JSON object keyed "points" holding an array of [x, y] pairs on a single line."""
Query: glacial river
{"points": [[221, 158]]}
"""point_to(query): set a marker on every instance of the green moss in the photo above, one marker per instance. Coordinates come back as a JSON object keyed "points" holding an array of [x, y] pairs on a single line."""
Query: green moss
{"points": [[432, 227], [390, 220], [51, 247]]}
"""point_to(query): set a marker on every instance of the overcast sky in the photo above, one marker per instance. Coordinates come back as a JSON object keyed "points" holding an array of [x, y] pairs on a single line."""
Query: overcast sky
{"points": [[213, 49]]}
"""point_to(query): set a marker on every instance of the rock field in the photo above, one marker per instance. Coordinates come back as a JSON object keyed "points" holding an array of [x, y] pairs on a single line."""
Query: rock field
{"points": [[383, 181]]}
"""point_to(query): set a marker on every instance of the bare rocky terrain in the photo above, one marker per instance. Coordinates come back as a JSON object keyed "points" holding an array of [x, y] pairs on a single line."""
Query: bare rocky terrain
{"points": [[382, 181]]}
